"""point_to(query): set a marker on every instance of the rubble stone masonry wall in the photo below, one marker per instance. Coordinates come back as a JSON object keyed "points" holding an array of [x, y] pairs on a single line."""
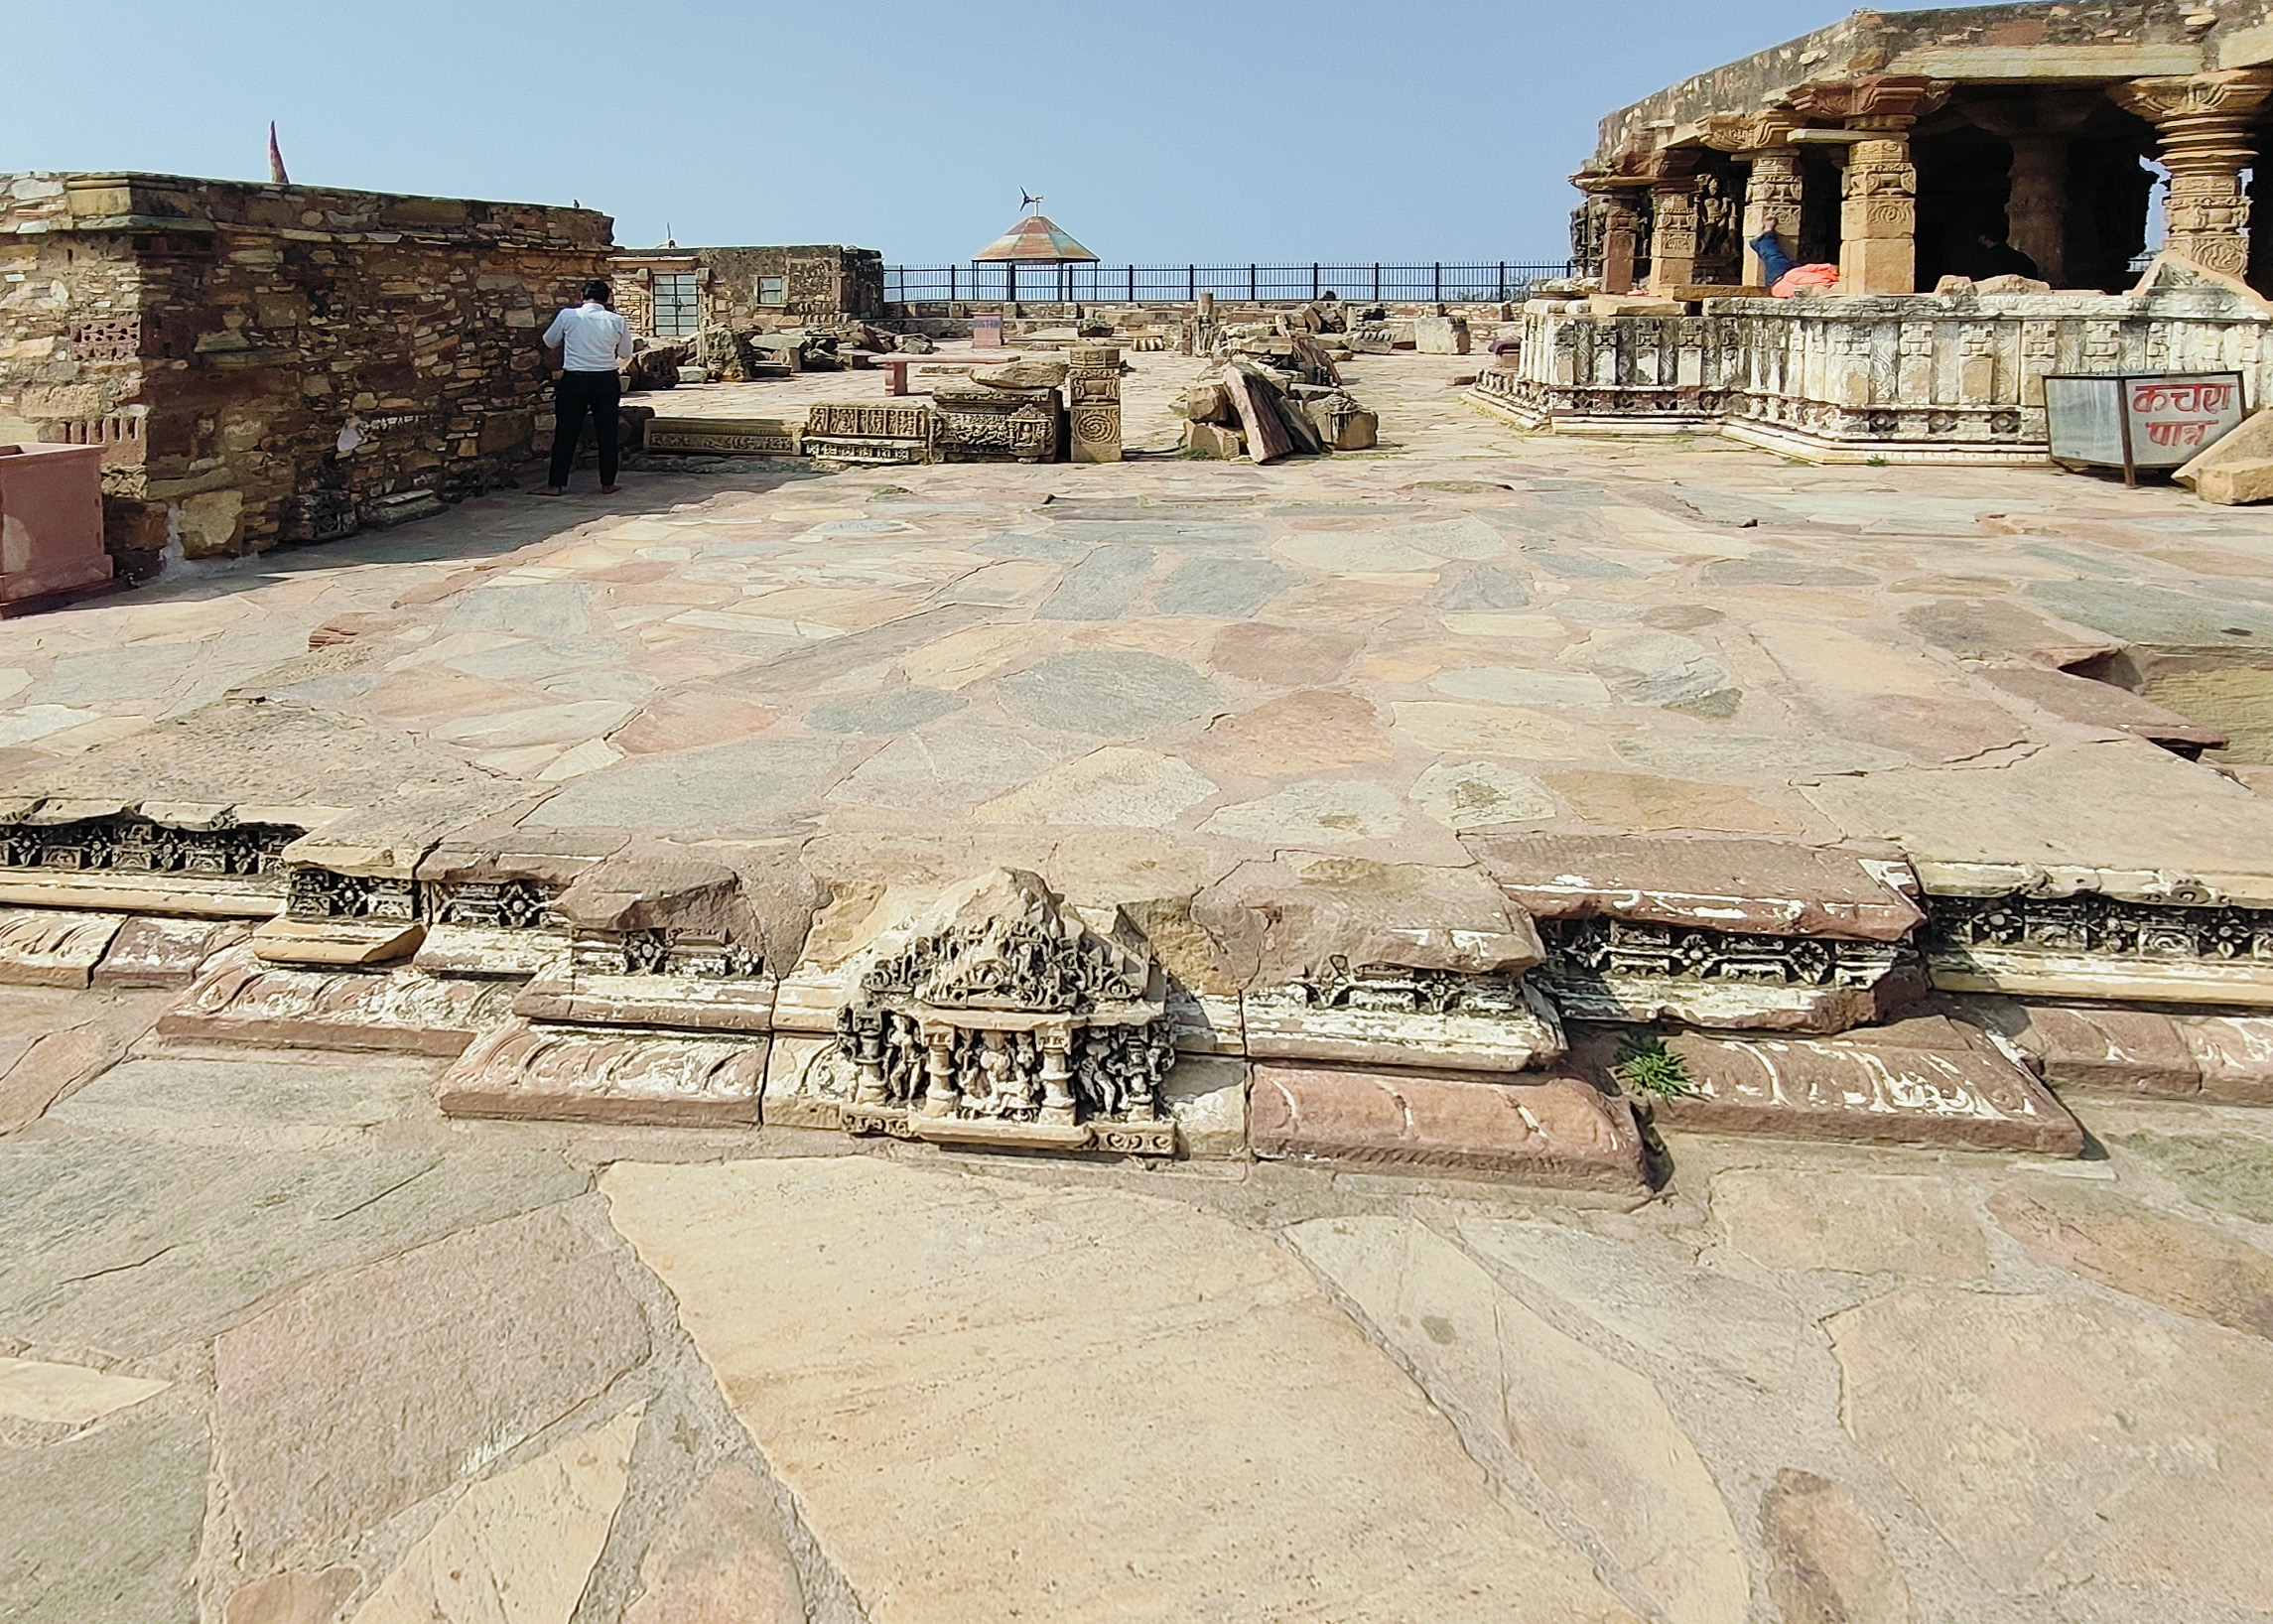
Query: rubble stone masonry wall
{"points": [[218, 337], [756, 289]]}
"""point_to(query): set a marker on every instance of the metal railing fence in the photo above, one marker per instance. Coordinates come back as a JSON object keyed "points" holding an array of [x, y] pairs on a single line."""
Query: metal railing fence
{"points": [[1496, 280]]}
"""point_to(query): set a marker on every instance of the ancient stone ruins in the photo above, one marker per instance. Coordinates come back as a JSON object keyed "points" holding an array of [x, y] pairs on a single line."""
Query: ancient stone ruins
{"points": [[1604, 954]]}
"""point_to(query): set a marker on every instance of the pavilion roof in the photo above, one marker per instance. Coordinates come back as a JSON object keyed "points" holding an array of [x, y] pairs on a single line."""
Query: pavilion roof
{"points": [[1037, 238]]}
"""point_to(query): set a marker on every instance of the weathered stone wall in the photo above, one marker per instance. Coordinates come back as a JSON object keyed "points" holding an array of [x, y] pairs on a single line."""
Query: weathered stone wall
{"points": [[817, 283], [225, 339], [1904, 378]]}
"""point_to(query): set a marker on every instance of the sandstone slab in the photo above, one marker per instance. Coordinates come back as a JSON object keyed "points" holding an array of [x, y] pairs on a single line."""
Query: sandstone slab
{"points": [[1558, 1131], [719, 1561], [711, 1003], [370, 1390], [2092, 1049], [298, 1595], [1296, 1469], [541, 1070], [50, 1042], [239, 999], [2139, 1460], [44, 948], [1752, 887], [517, 1548], [1860, 1223], [71, 1555], [343, 942], [1596, 1433], [302, 1102], [42, 1390], [2180, 1265], [1919, 1081], [151, 952], [1827, 1561]]}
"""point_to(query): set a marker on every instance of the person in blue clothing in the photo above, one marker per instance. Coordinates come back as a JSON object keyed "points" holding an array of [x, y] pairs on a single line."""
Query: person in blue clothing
{"points": [[594, 343]]}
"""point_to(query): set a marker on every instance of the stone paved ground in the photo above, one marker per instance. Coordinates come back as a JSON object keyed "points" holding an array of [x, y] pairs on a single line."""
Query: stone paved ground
{"points": [[281, 1345]]}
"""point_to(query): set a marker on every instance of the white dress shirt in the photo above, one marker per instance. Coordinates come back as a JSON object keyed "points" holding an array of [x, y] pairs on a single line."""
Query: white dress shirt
{"points": [[590, 337]]}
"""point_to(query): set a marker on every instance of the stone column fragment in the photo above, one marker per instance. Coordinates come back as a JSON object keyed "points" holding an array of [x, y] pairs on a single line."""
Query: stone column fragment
{"points": [[1092, 402], [2204, 124]]}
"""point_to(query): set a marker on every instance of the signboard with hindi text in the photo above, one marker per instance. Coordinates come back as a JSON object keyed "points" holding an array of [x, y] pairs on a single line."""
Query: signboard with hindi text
{"points": [[2139, 420]]}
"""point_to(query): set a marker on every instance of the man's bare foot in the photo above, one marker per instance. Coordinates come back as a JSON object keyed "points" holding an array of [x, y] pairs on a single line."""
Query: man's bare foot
{"points": [[608, 490]]}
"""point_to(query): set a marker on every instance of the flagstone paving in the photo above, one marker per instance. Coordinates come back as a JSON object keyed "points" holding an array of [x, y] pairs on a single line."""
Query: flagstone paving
{"points": [[280, 1344]]}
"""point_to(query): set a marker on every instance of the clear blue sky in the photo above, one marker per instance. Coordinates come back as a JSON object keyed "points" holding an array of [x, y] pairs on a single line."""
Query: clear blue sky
{"points": [[1228, 131]]}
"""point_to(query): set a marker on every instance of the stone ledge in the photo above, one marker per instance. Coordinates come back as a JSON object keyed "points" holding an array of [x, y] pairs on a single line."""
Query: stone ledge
{"points": [[1928, 1080], [528, 1071], [239, 999], [1559, 1131], [2222, 1058]]}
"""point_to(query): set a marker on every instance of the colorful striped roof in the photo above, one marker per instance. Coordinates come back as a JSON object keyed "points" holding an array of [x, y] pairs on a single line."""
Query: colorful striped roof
{"points": [[1037, 238]]}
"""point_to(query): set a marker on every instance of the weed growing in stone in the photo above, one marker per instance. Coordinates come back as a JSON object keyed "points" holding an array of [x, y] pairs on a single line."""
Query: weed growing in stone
{"points": [[1647, 1066]]}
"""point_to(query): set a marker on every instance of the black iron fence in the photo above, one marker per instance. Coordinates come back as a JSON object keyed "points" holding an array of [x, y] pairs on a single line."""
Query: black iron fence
{"points": [[1181, 284]]}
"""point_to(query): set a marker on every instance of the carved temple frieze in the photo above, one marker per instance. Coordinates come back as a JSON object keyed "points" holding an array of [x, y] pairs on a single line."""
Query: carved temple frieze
{"points": [[2091, 945], [1393, 1014], [198, 860], [1622, 970], [1005, 1016]]}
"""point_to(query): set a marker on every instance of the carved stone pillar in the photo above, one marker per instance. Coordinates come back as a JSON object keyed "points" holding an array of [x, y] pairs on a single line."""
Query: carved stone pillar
{"points": [[1776, 190], [2202, 122], [1092, 402], [2038, 128], [1673, 220], [1621, 225], [1878, 212]]}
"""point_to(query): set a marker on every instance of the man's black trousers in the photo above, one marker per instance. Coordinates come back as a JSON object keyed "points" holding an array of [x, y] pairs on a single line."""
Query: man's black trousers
{"points": [[578, 393]]}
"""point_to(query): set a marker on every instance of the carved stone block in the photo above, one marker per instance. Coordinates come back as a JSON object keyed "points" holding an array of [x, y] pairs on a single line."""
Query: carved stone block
{"points": [[336, 941], [739, 1004], [1002, 1005], [723, 436], [149, 952], [206, 859], [499, 953], [858, 434], [239, 999], [1922, 1081], [2091, 946], [1603, 969], [580, 1074], [1389, 1015], [40, 948], [1555, 1131], [1092, 402]]}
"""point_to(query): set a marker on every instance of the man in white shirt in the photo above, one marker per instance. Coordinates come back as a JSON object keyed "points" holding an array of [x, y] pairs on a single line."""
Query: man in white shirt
{"points": [[594, 343]]}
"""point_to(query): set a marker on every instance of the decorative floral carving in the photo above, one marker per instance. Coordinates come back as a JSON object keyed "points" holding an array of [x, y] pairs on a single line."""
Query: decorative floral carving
{"points": [[2100, 926], [129, 842], [1597, 949]]}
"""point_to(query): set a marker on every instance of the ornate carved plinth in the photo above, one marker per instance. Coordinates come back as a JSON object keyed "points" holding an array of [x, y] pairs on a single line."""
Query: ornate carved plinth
{"points": [[869, 435], [980, 424], [722, 436], [1003, 1016], [174, 859]]}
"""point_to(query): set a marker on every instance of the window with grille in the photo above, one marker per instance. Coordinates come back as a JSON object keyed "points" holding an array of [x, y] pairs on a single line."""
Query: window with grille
{"points": [[678, 308], [772, 290]]}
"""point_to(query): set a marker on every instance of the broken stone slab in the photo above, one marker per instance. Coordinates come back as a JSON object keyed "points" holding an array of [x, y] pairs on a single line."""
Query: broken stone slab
{"points": [[2236, 484], [238, 999], [1282, 922], [322, 942], [489, 952], [1256, 401], [539, 1071], [1388, 1015], [2103, 705], [1440, 336], [1022, 374], [53, 948], [666, 898], [2234, 458], [1213, 443], [153, 952], [1921, 1081], [1559, 1131], [1755, 886]]}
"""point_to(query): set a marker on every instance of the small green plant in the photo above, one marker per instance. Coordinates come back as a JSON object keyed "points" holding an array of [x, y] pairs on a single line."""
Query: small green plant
{"points": [[1874, 462], [1647, 1066]]}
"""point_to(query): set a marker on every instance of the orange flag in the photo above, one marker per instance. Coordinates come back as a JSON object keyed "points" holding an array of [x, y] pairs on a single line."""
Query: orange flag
{"points": [[276, 175]]}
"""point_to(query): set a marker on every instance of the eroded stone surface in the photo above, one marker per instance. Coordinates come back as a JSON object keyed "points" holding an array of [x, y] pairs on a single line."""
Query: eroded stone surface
{"points": [[2141, 1466], [1863, 1223], [1597, 1433], [2186, 1267], [718, 1562], [517, 1548], [239, 999], [43, 948], [71, 1555], [1828, 1563], [368, 1390], [910, 1289], [43, 1391]]}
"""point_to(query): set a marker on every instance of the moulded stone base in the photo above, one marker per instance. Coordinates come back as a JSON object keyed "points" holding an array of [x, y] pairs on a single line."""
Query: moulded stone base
{"points": [[1286, 1029], [1922, 1081], [2228, 1058], [1151, 1138], [164, 951], [169, 893], [1977, 969], [1555, 1131], [39, 948], [725, 1004], [528, 1070], [484, 950], [239, 999]]}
